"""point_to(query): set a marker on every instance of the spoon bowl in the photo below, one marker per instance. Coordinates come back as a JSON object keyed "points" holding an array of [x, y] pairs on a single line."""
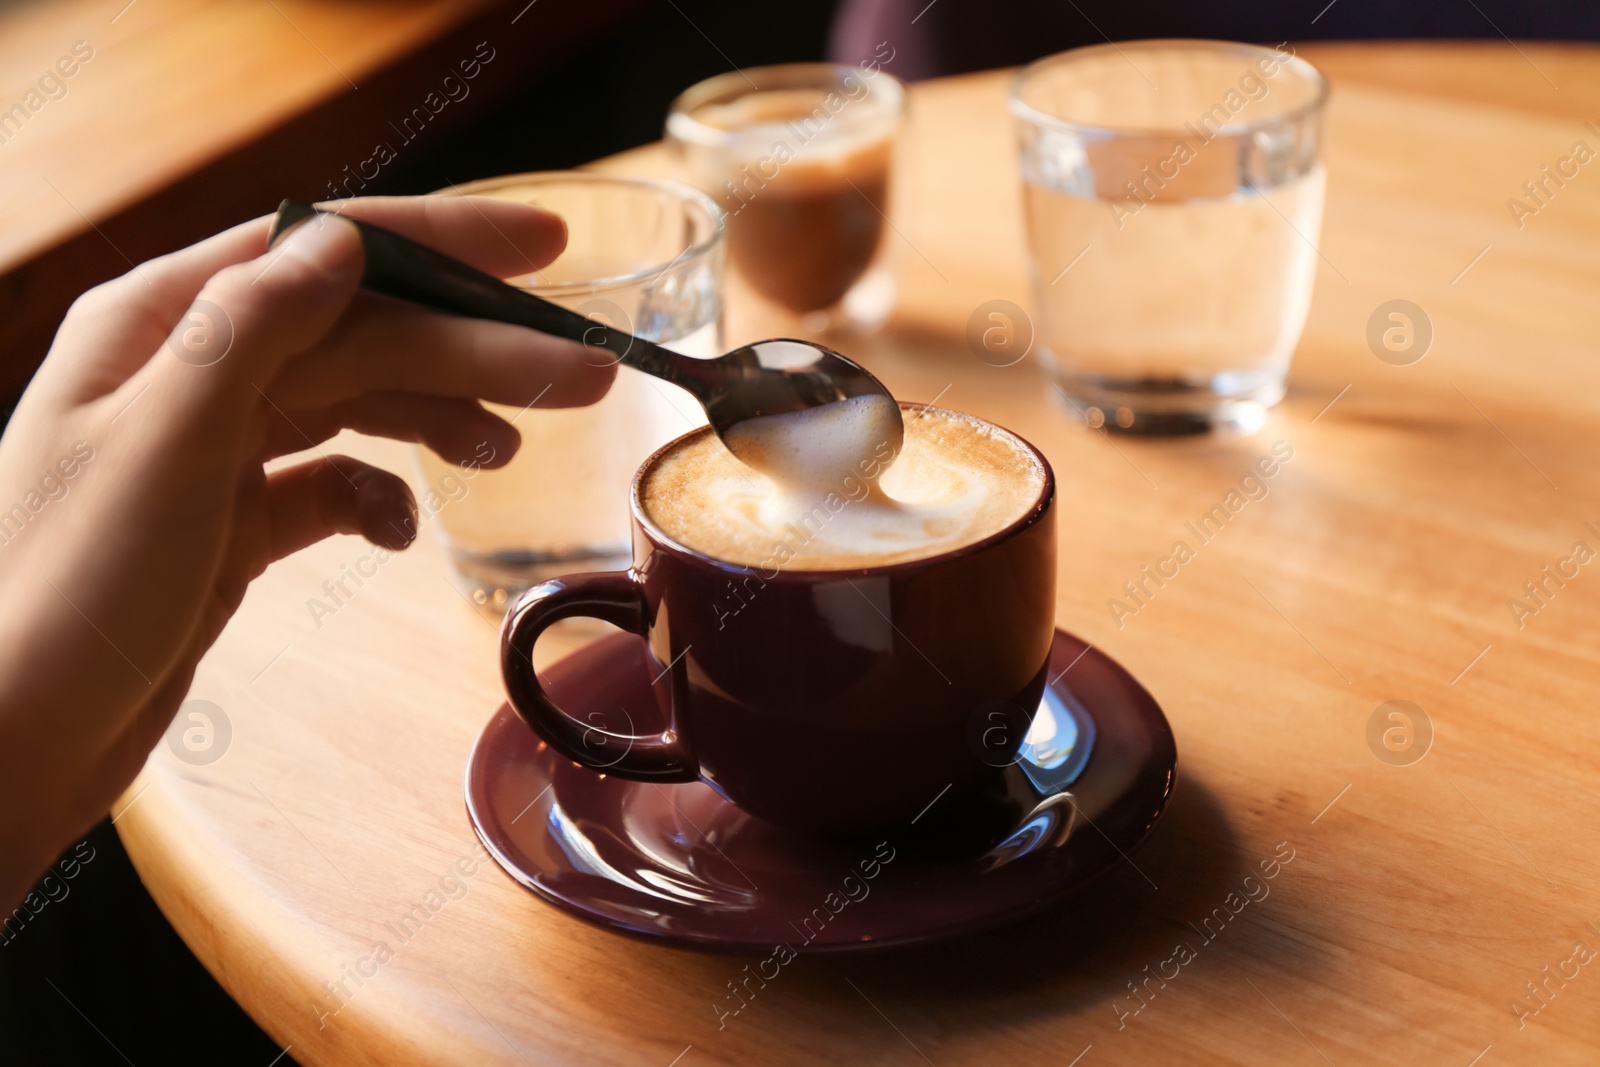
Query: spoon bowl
{"points": [[785, 376]]}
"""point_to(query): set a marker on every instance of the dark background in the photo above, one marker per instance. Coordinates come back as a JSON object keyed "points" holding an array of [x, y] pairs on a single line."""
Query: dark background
{"points": [[104, 952], [615, 94]]}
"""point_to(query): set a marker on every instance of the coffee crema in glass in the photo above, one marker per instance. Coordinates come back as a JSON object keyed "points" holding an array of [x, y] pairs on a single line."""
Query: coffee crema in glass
{"points": [[799, 156], [957, 480]]}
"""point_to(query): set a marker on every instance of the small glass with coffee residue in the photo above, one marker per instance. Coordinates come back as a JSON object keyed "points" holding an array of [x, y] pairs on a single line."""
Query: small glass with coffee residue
{"points": [[800, 156], [1173, 199]]}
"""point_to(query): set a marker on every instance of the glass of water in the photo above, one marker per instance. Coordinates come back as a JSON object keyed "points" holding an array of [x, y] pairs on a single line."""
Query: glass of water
{"points": [[644, 256], [1173, 197]]}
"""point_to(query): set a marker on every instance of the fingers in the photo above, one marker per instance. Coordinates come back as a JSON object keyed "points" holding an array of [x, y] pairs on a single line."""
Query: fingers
{"points": [[384, 345], [500, 237], [114, 328], [336, 494], [259, 313], [459, 431]]}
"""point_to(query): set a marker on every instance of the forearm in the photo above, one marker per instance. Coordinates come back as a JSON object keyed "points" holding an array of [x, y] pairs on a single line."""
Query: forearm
{"points": [[62, 759], [37, 821]]}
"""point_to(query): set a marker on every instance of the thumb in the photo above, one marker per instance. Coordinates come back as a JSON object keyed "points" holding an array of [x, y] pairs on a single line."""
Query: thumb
{"points": [[251, 317]]}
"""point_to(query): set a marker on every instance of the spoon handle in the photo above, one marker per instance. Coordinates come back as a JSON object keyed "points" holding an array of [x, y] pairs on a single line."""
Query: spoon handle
{"points": [[401, 268]]}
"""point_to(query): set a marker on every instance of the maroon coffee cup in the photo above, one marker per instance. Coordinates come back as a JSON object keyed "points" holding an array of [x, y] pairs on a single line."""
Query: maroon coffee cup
{"points": [[827, 700]]}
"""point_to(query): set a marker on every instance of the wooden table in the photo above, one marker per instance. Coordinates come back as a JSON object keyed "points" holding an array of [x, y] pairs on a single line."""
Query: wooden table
{"points": [[1420, 899]]}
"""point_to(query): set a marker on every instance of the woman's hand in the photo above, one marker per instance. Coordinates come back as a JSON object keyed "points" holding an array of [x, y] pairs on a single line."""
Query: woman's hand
{"points": [[134, 502]]}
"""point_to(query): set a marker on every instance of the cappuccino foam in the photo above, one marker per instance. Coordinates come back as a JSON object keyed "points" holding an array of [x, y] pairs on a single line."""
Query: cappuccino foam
{"points": [[956, 480]]}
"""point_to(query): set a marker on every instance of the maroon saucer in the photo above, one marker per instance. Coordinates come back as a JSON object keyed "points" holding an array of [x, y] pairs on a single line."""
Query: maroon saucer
{"points": [[679, 864]]}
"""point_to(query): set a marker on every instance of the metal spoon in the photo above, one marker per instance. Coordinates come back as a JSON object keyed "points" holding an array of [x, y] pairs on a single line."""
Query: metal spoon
{"points": [[765, 378]]}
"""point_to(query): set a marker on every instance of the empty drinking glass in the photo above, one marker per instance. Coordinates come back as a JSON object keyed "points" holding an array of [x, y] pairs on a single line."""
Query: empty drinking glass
{"points": [[644, 256]]}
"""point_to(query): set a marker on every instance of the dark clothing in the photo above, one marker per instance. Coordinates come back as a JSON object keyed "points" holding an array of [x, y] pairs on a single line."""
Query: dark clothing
{"points": [[90, 973], [954, 36]]}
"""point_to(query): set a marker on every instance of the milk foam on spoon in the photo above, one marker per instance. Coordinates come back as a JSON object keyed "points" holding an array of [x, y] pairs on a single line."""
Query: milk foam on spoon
{"points": [[815, 450]]}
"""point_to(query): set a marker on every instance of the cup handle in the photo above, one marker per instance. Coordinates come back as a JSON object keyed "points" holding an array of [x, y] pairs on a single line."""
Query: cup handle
{"points": [[610, 596]]}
